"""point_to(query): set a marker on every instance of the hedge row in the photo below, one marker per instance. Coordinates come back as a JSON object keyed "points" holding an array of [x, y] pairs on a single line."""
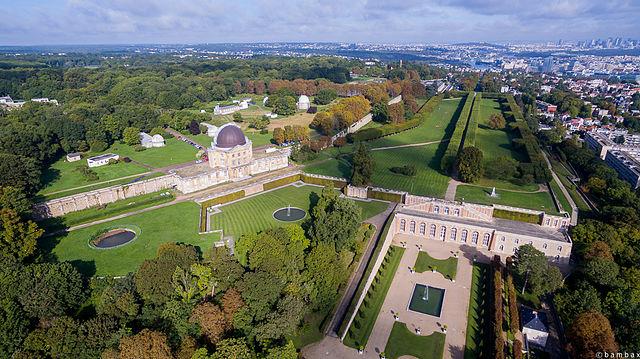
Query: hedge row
{"points": [[497, 309], [216, 201], [281, 182], [518, 216], [368, 134], [529, 142], [472, 126], [517, 349], [322, 181], [384, 196], [514, 317], [449, 157]]}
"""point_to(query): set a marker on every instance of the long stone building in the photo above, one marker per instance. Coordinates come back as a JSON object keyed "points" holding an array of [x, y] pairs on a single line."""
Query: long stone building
{"points": [[476, 226]]}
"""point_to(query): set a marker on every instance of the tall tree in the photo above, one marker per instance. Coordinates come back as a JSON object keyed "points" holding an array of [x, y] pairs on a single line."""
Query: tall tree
{"points": [[363, 166], [17, 237], [335, 220], [146, 344], [469, 164], [590, 334]]}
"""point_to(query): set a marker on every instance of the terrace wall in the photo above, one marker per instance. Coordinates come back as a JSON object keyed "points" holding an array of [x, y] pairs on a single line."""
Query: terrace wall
{"points": [[77, 202]]}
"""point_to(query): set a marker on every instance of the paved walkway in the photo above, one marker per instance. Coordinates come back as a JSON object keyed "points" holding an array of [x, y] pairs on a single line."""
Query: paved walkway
{"points": [[454, 310], [408, 145], [455, 304], [450, 195], [574, 207]]}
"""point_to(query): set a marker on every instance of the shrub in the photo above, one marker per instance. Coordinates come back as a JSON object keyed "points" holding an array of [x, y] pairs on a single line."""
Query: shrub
{"points": [[472, 126], [451, 153], [88, 173], [126, 159], [497, 308], [514, 317], [98, 146], [139, 148], [264, 131], [407, 170]]}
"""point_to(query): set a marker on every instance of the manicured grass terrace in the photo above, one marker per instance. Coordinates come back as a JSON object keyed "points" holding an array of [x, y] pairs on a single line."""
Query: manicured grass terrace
{"points": [[402, 341], [541, 201], [175, 223], [254, 214]]}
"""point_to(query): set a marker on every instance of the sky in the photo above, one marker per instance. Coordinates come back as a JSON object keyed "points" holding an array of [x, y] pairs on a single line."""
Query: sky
{"points": [[56, 22]]}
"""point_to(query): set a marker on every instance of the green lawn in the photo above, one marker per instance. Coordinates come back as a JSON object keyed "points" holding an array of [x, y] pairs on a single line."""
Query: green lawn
{"points": [[537, 200], [564, 202], [175, 223], [174, 152], [402, 341], [436, 127], [63, 175], [255, 213], [428, 181], [446, 267], [494, 143], [478, 322], [363, 323]]}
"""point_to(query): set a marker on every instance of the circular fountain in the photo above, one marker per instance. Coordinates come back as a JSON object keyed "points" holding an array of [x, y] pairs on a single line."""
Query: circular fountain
{"points": [[113, 238], [289, 214]]}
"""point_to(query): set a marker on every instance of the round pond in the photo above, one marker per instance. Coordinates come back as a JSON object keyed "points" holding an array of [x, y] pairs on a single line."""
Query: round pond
{"points": [[289, 214], [114, 238]]}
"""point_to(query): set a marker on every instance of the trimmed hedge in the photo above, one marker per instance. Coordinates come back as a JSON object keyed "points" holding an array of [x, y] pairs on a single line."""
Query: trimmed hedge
{"points": [[281, 182], [497, 309], [385, 196], [450, 155], [518, 216], [322, 181], [514, 317], [472, 126], [215, 201], [368, 134], [517, 349], [538, 167]]}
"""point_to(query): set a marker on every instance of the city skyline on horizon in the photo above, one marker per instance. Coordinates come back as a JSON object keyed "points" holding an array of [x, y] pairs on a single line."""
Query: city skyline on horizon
{"points": [[120, 22]]}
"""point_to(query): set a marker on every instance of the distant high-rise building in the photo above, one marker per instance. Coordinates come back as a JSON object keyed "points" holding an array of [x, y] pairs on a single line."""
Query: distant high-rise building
{"points": [[560, 42], [547, 65]]}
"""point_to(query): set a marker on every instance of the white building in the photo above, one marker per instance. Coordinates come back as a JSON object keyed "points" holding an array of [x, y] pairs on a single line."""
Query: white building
{"points": [[148, 141], [74, 156], [102, 160], [303, 103], [227, 110], [534, 327]]}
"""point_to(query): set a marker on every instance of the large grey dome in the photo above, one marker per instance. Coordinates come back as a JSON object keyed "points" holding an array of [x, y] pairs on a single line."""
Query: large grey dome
{"points": [[230, 136]]}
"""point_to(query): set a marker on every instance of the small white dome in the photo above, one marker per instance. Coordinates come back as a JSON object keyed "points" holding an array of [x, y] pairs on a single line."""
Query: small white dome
{"points": [[303, 99], [157, 138]]}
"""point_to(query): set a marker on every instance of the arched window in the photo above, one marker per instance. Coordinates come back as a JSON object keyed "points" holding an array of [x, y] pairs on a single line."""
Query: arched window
{"points": [[501, 247], [463, 235], [446, 210], [544, 246], [474, 238], [517, 241], [443, 232], [503, 238], [454, 232], [515, 250], [436, 209], [423, 228], [557, 258], [412, 226], [456, 212], [432, 230], [559, 248], [403, 224], [485, 239]]}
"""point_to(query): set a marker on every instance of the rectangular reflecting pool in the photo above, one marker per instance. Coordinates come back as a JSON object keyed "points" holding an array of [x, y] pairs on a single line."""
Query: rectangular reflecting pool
{"points": [[427, 300]]}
